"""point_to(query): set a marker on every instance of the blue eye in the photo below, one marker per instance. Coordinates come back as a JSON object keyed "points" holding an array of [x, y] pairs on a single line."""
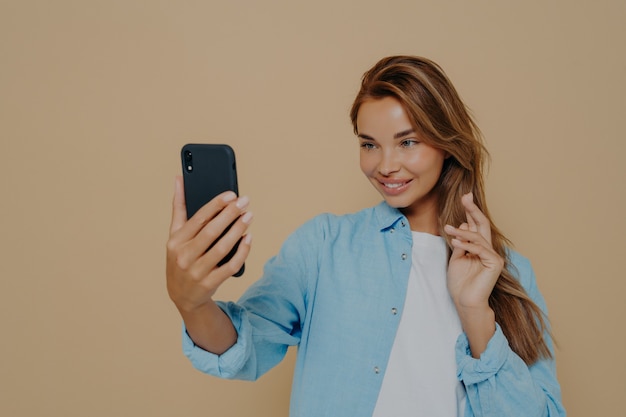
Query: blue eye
{"points": [[407, 143], [367, 146]]}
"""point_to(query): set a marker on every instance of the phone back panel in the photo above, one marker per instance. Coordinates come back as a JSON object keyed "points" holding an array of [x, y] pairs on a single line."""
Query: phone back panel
{"points": [[212, 172]]}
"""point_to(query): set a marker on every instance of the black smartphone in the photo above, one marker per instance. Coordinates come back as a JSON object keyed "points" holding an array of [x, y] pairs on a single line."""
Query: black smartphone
{"points": [[209, 170]]}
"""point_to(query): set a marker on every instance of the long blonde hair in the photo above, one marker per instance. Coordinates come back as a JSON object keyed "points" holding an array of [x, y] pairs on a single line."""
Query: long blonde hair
{"points": [[436, 110]]}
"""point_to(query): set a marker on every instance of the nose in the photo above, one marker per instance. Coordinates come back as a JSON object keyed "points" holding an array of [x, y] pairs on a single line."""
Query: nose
{"points": [[389, 163]]}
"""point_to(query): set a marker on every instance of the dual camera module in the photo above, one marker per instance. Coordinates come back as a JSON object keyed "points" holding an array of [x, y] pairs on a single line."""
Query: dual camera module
{"points": [[188, 161]]}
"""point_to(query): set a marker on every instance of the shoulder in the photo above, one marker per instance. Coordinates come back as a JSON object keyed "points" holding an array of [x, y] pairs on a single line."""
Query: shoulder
{"points": [[331, 233], [321, 237], [327, 225]]}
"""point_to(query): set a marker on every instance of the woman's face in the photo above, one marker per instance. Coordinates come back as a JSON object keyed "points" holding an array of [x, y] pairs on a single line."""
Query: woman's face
{"points": [[397, 162]]}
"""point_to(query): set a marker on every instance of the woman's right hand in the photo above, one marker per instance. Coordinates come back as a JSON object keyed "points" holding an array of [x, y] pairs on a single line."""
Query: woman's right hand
{"points": [[193, 276]]}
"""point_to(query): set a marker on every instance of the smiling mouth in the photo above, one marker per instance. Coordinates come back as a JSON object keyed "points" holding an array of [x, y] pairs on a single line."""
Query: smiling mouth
{"points": [[394, 186]]}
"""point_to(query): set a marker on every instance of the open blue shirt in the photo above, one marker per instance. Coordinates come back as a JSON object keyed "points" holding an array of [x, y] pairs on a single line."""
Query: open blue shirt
{"points": [[336, 290]]}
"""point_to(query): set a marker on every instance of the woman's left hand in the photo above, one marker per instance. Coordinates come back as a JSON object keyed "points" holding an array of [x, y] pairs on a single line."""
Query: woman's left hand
{"points": [[474, 265], [473, 271]]}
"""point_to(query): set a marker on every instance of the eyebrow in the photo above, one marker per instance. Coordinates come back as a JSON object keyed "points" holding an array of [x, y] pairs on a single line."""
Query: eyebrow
{"points": [[395, 136], [403, 133]]}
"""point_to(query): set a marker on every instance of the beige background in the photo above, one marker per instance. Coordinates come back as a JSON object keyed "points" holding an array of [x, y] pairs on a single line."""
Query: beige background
{"points": [[97, 97]]}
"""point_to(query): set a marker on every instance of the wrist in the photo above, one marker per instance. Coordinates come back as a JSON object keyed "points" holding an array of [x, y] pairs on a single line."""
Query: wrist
{"points": [[191, 312], [477, 311]]}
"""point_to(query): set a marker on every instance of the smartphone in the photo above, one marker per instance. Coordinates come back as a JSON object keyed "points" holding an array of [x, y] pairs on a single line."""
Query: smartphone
{"points": [[209, 170]]}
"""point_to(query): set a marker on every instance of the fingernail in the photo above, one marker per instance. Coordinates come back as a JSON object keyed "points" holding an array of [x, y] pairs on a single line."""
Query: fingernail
{"points": [[243, 202], [228, 197], [247, 218], [247, 238]]}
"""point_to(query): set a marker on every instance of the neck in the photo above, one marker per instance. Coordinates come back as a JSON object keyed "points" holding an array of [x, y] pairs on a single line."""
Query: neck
{"points": [[423, 218]]}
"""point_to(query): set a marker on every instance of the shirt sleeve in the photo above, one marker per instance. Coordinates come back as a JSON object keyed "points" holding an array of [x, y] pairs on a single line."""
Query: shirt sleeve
{"points": [[500, 383], [230, 363], [269, 315]]}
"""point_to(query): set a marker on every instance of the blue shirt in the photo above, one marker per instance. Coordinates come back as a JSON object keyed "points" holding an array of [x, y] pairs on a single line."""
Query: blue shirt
{"points": [[336, 290]]}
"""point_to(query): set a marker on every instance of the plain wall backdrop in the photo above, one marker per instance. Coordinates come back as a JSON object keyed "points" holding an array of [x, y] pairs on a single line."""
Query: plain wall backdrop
{"points": [[97, 98]]}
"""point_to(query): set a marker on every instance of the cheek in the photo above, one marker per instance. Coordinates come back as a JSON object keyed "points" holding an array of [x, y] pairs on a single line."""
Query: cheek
{"points": [[424, 163], [417, 164], [366, 163]]}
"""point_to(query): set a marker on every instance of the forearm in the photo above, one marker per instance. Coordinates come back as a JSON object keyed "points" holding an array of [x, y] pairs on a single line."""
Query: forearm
{"points": [[210, 328], [479, 325]]}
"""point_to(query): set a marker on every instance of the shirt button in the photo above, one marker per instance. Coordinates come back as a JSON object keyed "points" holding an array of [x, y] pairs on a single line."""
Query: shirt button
{"points": [[376, 370], [394, 311], [402, 223], [392, 230], [404, 256]]}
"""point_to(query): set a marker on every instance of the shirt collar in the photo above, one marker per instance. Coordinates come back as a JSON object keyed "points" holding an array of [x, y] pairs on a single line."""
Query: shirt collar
{"points": [[387, 216]]}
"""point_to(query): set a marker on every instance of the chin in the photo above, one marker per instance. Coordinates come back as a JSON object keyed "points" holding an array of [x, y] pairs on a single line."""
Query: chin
{"points": [[395, 203]]}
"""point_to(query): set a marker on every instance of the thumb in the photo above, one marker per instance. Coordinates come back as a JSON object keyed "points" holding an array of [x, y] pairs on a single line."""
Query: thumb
{"points": [[179, 208]]}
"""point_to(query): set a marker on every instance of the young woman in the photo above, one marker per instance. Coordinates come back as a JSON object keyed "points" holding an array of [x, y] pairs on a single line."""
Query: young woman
{"points": [[414, 307]]}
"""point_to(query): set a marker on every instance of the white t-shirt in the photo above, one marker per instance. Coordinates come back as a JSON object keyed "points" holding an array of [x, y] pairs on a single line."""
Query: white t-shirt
{"points": [[421, 376]]}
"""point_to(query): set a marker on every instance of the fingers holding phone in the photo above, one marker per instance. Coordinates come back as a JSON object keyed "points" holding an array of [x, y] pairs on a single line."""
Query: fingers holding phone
{"points": [[212, 223], [224, 249], [196, 251], [220, 244]]}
